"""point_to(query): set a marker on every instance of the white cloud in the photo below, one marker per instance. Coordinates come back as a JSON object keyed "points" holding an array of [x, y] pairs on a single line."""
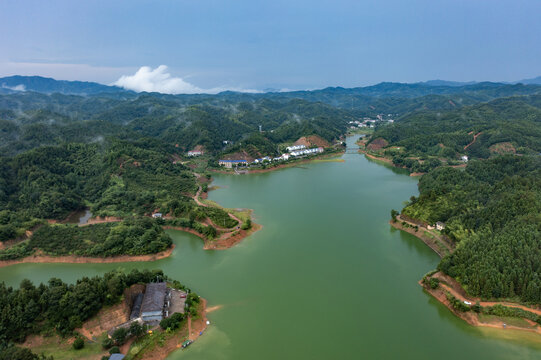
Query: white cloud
{"points": [[19, 87], [159, 80]]}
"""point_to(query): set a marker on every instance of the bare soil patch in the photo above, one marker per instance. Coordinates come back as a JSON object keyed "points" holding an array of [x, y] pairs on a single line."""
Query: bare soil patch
{"points": [[502, 148], [105, 320], [312, 140], [378, 144]]}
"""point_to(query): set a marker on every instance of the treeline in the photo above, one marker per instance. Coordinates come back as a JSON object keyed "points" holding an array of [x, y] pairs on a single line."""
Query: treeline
{"points": [[134, 236], [491, 210]]}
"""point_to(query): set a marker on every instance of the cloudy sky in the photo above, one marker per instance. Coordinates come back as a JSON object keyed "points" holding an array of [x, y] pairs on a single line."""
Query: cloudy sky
{"points": [[210, 45]]}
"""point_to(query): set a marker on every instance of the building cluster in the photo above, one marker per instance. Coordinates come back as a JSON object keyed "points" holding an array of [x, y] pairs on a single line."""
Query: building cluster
{"points": [[370, 123], [195, 153], [293, 151]]}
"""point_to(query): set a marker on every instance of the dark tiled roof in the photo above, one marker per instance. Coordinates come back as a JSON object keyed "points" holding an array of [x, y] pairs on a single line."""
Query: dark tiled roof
{"points": [[154, 297]]}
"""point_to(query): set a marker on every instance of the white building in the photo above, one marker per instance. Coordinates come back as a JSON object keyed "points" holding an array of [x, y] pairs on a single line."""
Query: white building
{"points": [[231, 163], [295, 148], [195, 153]]}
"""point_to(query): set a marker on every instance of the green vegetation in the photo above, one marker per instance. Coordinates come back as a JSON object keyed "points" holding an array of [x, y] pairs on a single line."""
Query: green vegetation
{"points": [[427, 139], [219, 217], [61, 307], [137, 236], [173, 322], [78, 343], [491, 210]]}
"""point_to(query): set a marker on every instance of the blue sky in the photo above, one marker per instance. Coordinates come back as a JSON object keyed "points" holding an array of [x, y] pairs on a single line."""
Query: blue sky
{"points": [[255, 44]]}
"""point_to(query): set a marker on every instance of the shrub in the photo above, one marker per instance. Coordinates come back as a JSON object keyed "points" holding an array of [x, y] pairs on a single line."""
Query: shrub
{"points": [[247, 225], [119, 336], [136, 329], [114, 350], [79, 343], [172, 322], [107, 343]]}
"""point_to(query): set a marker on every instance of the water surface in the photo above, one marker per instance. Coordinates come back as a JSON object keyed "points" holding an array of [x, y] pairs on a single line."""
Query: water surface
{"points": [[326, 277]]}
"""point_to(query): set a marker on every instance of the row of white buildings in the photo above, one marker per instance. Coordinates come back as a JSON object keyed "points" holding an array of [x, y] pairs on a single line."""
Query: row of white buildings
{"points": [[284, 157]]}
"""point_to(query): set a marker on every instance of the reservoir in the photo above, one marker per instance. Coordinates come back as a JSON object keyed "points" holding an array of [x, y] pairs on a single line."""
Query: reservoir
{"points": [[327, 276]]}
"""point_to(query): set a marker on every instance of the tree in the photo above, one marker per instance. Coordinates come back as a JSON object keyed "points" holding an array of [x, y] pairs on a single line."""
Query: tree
{"points": [[107, 343], [119, 336], [136, 329], [394, 214]]}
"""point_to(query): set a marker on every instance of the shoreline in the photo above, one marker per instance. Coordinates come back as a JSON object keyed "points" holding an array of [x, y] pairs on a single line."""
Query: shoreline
{"points": [[282, 166], [219, 243], [74, 259], [438, 245], [192, 331], [471, 317]]}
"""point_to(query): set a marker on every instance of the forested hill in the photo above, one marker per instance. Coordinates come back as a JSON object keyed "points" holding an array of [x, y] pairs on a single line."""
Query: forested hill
{"points": [[48, 86], [506, 125], [28, 120], [492, 211]]}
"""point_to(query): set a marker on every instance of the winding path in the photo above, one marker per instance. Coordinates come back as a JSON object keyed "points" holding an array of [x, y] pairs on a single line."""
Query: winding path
{"points": [[460, 295]]}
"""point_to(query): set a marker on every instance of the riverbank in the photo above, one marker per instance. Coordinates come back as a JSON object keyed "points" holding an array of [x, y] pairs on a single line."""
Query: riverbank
{"points": [[448, 288], [192, 330], [281, 166], [430, 237], [225, 241], [73, 259]]}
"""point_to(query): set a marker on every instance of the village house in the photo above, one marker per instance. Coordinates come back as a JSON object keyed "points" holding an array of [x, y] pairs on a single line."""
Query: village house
{"points": [[157, 215], [195, 153], [307, 151], [440, 226], [295, 148], [154, 301], [230, 163], [464, 158]]}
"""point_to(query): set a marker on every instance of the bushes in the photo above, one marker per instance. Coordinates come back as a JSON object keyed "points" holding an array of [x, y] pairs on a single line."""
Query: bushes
{"points": [[457, 304], [119, 336], [137, 236], [79, 343], [500, 310], [219, 217], [107, 343], [173, 322], [247, 225]]}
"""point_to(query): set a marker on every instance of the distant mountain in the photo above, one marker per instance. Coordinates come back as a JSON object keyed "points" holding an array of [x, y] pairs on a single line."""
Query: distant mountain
{"points": [[45, 85], [534, 81]]}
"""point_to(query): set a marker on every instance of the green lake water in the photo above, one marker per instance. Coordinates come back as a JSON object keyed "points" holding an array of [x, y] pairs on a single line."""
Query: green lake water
{"points": [[327, 276]]}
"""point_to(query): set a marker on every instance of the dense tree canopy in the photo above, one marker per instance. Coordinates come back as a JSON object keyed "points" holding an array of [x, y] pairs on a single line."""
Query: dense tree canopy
{"points": [[492, 210]]}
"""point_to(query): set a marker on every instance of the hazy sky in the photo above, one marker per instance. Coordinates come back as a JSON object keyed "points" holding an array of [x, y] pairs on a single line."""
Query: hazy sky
{"points": [[251, 44]]}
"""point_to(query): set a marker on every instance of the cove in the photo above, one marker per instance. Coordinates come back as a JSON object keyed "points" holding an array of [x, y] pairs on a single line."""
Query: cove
{"points": [[326, 277]]}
